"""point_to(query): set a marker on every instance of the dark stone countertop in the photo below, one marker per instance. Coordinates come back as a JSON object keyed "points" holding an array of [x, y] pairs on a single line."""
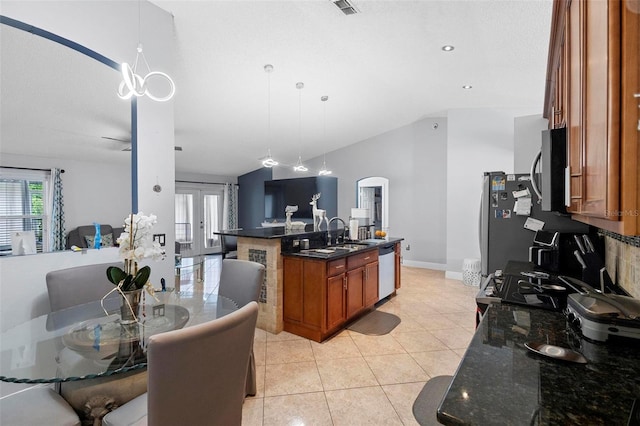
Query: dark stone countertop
{"points": [[268, 232], [500, 382], [360, 246]]}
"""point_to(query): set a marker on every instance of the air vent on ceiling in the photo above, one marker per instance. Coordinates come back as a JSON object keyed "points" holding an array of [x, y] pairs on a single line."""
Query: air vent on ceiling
{"points": [[346, 7]]}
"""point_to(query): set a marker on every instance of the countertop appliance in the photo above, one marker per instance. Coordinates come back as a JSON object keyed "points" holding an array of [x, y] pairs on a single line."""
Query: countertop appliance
{"points": [[601, 316], [503, 235], [386, 271]]}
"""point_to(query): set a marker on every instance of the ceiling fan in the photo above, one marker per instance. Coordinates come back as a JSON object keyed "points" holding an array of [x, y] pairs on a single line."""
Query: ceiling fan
{"points": [[128, 142]]}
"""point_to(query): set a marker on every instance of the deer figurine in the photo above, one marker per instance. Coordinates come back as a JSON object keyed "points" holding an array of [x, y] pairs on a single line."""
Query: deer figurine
{"points": [[318, 214]]}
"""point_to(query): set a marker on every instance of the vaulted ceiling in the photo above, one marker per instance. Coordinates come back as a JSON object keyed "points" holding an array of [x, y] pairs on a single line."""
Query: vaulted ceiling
{"points": [[381, 68]]}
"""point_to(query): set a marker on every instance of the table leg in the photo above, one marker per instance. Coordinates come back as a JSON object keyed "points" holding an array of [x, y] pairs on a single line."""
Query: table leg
{"points": [[94, 398]]}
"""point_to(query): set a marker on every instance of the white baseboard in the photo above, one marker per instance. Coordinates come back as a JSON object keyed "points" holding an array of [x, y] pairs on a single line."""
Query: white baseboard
{"points": [[453, 275], [425, 265]]}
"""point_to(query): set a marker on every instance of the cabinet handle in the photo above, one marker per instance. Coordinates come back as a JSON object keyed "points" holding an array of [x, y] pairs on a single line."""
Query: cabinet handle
{"points": [[367, 258], [636, 95], [339, 266]]}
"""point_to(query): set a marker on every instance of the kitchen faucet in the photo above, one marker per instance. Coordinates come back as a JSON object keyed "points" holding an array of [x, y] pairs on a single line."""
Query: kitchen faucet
{"points": [[344, 230]]}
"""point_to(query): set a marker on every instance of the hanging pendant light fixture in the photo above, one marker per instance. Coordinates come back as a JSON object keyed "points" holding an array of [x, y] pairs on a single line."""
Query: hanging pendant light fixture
{"points": [[269, 161], [134, 84], [324, 171], [299, 167]]}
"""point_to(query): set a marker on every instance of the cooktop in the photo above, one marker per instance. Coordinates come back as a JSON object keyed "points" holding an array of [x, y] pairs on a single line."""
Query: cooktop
{"points": [[519, 283]]}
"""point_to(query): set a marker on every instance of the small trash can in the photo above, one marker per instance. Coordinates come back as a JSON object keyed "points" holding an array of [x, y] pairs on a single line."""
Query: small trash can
{"points": [[471, 272]]}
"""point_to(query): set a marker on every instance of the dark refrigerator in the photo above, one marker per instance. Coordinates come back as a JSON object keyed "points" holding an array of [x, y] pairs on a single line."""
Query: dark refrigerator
{"points": [[503, 236]]}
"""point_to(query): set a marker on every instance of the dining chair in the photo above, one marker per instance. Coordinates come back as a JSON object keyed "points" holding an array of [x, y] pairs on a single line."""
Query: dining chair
{"points": [[81, 284], [229, 246], [38, 405], [196, 375], [241, 281]]}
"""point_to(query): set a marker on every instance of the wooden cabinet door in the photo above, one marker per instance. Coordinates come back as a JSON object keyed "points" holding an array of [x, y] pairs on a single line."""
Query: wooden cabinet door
{"points": [[371, 284], [601, 139], [630, 117], [292, 289], [593, 53], [355, 291], [574, 53], [336, 289]]}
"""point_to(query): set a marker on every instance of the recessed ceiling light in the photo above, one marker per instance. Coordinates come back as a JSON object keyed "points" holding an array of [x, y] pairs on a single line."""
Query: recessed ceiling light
{"points": [[467, 86], [447, 48]]}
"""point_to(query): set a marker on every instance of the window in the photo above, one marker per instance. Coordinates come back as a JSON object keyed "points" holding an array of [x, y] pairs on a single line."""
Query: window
{"points": [[23, 201]]}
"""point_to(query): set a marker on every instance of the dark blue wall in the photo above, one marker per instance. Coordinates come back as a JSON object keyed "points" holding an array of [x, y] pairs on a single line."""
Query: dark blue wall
{"points": [[251, 197], [328, 186]]}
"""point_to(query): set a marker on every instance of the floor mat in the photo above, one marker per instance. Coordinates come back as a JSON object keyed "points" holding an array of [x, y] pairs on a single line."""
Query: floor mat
{"points": [[375, 323], [425, 407]]}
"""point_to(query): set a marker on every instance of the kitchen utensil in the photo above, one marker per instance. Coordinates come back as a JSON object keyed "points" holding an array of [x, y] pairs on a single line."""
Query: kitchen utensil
{"points": [[580, 259], [588, 244], [542, 287], [580, 244], [556, 352]]}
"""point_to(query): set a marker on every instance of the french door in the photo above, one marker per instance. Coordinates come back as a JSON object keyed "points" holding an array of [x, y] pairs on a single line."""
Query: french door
{"points": [[198, 215]]}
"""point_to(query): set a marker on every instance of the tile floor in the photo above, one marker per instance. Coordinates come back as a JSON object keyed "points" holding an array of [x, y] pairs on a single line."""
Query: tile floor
{"points": [[354, 379]]}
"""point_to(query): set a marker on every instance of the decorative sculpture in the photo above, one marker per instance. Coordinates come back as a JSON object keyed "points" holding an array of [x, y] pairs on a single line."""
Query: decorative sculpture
{"points": [[288, 225], [318, 214]]}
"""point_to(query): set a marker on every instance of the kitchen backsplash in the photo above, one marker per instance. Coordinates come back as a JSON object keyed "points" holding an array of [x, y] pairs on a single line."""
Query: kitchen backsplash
{"points": [[622, 259]]}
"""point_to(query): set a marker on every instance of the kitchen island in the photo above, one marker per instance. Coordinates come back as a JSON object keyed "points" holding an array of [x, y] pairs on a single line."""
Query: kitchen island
{"points": [[499, 381], [270, 245]]}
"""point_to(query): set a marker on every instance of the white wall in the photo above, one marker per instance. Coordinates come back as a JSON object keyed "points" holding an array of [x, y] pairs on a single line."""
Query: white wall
{"points": [[111, 29], [527, 141], [479, 140], [23, 289], [413, 158], [93, 191]]}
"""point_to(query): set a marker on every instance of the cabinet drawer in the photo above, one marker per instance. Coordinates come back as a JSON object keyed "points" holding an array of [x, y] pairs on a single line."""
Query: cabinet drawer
{"points": [[360, 259], [336, 267]]}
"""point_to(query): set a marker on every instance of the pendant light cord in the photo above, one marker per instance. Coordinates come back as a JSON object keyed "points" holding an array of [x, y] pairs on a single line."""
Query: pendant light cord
{"points": [[269, 108], [300, 122]]}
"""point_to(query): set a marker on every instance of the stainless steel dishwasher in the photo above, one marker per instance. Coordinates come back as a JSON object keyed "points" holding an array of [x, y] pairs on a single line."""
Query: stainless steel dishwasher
{"points": [[386, 271]]}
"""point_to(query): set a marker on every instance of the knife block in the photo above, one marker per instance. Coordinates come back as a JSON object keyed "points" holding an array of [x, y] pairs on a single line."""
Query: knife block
{"points": [[591, 274]]}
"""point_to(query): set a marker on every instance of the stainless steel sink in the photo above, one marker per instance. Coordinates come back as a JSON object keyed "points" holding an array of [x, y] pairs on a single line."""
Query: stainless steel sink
{"points": [[335, 250]]}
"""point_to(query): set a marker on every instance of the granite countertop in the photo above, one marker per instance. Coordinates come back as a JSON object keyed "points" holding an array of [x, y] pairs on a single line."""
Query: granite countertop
{"points": [[267, 233], [499, 381], [357, 247]]}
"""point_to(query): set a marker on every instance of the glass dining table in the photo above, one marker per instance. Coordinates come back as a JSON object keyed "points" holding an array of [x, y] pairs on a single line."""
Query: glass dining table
{"points": [[85, 342]]}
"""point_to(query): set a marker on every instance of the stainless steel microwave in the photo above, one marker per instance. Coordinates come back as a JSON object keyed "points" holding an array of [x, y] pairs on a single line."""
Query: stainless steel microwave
{"points": [[553, 163]]}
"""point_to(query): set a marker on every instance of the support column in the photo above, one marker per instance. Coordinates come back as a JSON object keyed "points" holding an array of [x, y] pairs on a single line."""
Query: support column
{"points": [[266, 252]]}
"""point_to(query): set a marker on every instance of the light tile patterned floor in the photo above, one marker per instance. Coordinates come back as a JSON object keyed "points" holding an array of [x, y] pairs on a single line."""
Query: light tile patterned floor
{"points": [[354, 379]]}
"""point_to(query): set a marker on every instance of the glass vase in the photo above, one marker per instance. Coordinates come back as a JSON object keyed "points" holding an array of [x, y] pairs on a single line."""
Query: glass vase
{"points": [[130, 312]]}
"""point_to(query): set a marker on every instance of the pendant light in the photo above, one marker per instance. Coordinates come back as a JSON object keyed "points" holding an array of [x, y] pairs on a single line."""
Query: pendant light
{"points": [[299, 167], [324, 171], [269, 161], [134, 84]]}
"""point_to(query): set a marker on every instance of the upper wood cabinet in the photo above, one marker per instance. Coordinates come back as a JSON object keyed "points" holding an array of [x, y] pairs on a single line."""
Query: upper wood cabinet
{"points": [[592, 76]]}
